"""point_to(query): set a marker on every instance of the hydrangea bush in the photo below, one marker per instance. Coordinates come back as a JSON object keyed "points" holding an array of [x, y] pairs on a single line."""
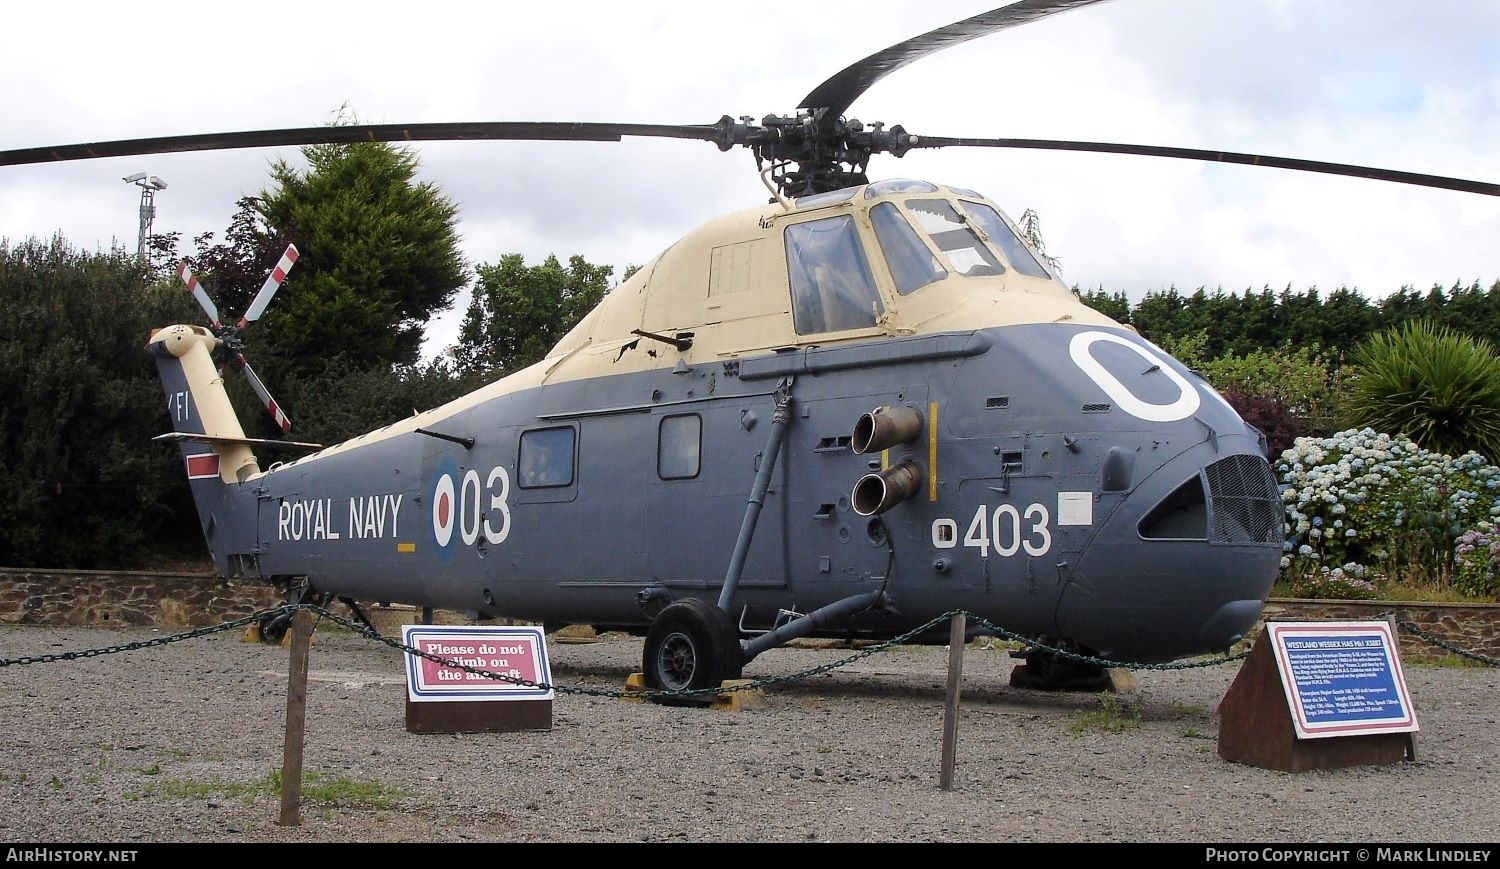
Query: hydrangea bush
{"points": [[1361, 505], [1476, 561]]}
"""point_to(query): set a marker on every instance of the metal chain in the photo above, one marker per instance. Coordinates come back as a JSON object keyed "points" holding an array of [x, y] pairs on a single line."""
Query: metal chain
{"points": [[1484, 659], [607, 692], [367, 631], [143, 644], [1101, 662]]}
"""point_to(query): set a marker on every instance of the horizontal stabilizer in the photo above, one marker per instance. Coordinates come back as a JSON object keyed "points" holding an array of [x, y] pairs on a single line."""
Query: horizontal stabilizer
{"points": [[254, 442]]}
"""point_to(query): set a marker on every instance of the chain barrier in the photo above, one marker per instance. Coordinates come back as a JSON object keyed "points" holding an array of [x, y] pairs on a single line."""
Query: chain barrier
{"points": [[645, 695], [1442, 644], [1100, 662], [368, 631], [142, 644]]}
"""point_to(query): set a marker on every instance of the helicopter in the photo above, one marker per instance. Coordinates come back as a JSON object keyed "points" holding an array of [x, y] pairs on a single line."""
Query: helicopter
{"points": [[840, 413]]}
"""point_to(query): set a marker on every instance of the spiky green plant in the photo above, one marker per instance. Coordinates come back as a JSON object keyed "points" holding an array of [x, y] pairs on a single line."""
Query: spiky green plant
{"points": [[1439, 387]]}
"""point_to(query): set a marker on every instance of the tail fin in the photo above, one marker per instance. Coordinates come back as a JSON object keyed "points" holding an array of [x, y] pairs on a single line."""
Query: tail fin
{"points": [[199, 405], [214, 449]]}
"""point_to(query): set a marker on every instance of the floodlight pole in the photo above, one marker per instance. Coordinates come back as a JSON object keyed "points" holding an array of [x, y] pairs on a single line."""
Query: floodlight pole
{"points": [[149, 184]]}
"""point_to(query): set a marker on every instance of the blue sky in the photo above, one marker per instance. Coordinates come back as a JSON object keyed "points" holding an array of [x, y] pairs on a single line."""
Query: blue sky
{"points": [[1401, 84]]}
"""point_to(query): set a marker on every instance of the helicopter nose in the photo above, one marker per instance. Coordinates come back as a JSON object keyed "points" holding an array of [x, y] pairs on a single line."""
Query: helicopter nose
{"points": [[1185, 562]]}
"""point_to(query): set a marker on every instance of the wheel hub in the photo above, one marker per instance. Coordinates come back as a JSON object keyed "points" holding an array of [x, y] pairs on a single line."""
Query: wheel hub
{"points": [[678, 661]]}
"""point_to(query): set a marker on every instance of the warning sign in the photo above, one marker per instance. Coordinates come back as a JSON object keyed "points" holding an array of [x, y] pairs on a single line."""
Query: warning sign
{"points": [[477, 663]]}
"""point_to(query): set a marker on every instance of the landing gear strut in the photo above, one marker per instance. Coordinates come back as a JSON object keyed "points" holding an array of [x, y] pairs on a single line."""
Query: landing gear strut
{"points": [[1046, 670], [273, 627]]}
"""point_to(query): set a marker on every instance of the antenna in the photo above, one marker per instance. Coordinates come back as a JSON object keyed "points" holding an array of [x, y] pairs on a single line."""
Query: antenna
{"points": [[149, 184]]}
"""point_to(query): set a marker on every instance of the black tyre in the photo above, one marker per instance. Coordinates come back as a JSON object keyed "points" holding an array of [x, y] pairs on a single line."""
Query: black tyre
{"points": [[274, 627], [691, 645]]}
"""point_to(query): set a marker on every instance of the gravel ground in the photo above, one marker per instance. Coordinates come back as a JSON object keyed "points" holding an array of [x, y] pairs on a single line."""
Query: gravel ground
{"points": [[177, 743]]}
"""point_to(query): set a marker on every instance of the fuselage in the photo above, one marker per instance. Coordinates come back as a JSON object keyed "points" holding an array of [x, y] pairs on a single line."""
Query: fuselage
{"points": [[1075, 482]]}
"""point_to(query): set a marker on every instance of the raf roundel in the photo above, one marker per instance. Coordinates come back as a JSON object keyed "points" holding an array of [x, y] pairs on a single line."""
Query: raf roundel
{"points": [[444, 502]]}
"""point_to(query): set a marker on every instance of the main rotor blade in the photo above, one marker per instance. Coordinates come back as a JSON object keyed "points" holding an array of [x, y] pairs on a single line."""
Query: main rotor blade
{"points": [[268, 289], [265, 394], [337, 135], [1371, 172], [839, 92], [196, 290]]}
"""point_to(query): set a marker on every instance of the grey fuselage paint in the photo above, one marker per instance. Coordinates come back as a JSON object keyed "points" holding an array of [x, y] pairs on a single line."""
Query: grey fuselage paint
{"points": [[1018, 528]]}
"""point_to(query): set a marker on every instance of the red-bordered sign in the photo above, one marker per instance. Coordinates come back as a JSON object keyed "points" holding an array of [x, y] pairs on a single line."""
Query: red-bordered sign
{"points": [[1342, 678], [464, 654]]}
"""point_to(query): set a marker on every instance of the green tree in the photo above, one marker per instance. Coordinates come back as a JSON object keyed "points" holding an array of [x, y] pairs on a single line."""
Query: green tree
{"points": [[379, 256], [1439, 387], [231, 271], [351, 401], [1113, 305], [519, 312], [84, 484]]}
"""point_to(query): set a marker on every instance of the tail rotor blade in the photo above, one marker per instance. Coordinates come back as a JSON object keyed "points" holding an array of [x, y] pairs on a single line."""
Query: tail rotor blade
{"points": [[265, 395], [267, 290], [196, 289]]}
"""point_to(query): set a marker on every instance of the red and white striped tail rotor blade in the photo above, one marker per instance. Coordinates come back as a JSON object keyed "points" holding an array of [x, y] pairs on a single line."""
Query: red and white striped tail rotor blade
{"points": [[265, 396], [267, 290], [196, 289]]}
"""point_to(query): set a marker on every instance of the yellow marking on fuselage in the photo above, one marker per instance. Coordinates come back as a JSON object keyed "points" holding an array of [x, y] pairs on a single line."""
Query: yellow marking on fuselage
{"points": [[932, 470]]}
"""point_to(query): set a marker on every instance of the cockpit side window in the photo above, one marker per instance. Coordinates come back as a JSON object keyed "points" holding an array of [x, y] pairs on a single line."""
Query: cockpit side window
{"points": [[950, 232], [994, 226], [832, 288], [912, 265]]}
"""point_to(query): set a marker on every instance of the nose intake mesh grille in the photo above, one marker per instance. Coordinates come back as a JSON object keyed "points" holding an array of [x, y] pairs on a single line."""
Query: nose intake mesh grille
{"points": [[1246, 504]]}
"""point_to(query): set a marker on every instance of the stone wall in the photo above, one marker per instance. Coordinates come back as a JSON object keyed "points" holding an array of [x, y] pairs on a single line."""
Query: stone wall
{"points": [[105, 598], [181, 600], [1474, 628]]}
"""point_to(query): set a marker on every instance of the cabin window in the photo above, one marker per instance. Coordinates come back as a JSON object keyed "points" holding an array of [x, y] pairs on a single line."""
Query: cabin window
{"points": [[832, 289], [899, 185], [1016, 251], [912, 265], [679, 447], [950, 232], [546, 458], [832, 197]]}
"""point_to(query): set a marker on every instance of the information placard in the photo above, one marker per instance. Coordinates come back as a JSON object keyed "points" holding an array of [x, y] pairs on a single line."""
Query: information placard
{"points": [[518, 652], [1342, 678]]}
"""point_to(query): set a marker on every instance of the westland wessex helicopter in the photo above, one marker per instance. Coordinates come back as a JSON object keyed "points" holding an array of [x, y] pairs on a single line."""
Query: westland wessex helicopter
{"points": [[840, 414]]}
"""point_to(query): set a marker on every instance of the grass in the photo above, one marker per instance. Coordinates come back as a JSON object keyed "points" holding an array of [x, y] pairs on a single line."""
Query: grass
{"points": [[1111, 717], [316, 787], [1444, 661]]}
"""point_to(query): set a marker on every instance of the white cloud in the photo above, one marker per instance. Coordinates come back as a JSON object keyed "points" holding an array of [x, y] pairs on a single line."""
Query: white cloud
{"points": [[1403, 84]]}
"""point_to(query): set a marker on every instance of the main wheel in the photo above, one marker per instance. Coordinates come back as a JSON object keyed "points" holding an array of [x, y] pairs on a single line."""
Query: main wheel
{"points": [[691, 645], [273, 627]]}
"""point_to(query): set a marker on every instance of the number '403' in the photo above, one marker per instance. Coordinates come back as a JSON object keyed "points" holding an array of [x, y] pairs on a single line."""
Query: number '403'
{"points": [[1006, 529]]}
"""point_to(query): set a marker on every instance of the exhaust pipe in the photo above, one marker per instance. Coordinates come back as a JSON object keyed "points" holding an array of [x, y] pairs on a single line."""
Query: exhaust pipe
{"points": [[884, 427], [878, 492]]}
